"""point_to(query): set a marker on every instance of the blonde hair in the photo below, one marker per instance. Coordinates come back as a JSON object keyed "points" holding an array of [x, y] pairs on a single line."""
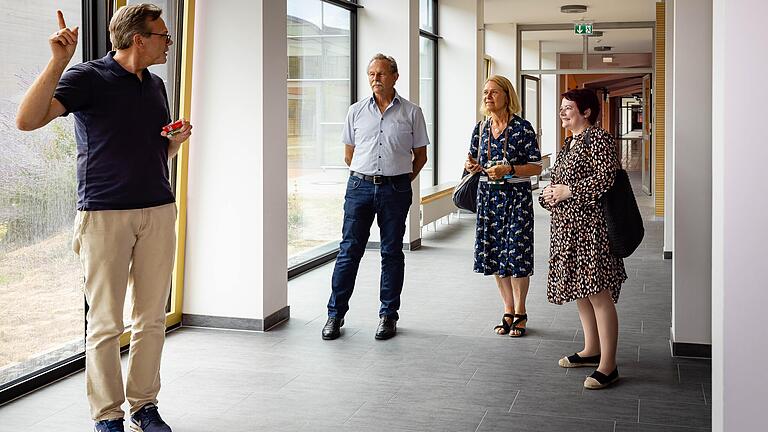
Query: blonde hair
{"points": [[129, 21], [513, 102]]}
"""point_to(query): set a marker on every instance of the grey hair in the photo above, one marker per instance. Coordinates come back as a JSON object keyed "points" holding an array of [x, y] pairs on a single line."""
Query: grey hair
{"points": [[390, 59], [129, 21]]}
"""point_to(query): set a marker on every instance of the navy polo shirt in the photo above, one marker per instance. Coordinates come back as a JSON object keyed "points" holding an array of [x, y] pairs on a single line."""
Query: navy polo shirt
{"points": [[122, 161]]}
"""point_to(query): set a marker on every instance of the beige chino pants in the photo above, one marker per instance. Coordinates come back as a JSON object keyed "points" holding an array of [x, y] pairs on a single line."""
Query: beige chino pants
{"points": [[118, 248]]}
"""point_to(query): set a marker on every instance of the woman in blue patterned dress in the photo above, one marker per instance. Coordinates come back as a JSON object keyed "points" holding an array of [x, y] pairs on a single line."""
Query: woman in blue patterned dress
{"points": [[504, 148]]}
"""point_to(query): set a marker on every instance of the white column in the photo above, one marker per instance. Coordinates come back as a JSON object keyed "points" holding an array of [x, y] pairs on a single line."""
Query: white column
{"points": [[235, 270], [460, 81], [739, 234], [692, 107], [669, 153], [392, 27]]}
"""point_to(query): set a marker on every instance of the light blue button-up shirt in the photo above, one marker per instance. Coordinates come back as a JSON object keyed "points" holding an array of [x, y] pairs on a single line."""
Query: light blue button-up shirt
{"points": [[383, 141]]}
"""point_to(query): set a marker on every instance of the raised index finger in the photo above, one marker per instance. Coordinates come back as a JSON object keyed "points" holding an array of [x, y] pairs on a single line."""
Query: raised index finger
{"points": [[60, 16]]}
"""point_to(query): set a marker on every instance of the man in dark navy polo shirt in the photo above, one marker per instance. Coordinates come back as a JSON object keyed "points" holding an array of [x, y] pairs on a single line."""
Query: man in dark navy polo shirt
{"points": [[125, 226]]}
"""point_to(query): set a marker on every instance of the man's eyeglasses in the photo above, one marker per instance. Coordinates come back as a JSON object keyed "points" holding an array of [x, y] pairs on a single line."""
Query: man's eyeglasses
{"points": [[167, 36]]}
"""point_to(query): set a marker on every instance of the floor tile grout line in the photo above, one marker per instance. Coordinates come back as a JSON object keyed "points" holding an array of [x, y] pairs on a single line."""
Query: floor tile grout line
{"points": [[464, 359], [513, 401], [289, 381], [481, 421], [353, 414], [704, 391], [470, 378]]}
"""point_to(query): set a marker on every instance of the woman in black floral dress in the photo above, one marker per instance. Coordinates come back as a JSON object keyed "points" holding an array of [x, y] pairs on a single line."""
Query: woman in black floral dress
{"points": [[504, 147], [581, 267]]}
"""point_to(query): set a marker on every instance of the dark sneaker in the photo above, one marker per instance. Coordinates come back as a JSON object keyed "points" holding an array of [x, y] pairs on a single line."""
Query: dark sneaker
{"points": [[332, 328], [387, 328], [114, 425], [147, 419]]}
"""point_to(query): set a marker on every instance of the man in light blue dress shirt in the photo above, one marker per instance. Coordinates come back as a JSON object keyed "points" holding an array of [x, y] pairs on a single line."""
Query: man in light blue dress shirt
{"points": [[385, 139]]}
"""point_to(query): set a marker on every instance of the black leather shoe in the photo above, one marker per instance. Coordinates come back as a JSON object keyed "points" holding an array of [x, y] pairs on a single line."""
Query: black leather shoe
{"points": [[387, 328], [332, 328]]}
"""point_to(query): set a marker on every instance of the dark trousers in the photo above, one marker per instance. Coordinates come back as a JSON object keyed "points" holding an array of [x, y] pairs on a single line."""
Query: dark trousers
{"points": [[389, 203]]}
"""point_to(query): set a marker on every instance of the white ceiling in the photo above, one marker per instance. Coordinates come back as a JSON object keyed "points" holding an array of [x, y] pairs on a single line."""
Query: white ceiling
{"points": [[548, 11]]}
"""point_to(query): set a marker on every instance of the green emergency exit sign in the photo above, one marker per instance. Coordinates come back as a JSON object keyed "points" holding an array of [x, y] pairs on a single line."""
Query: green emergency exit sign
{"points": [[583, 28]]}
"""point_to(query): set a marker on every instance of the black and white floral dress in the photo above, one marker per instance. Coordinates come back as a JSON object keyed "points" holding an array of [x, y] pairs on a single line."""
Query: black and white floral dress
{"points": [[504, 236], [580, 262]]}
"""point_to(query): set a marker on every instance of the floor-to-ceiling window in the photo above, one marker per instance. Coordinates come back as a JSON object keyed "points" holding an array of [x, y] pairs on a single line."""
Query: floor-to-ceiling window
{"points": [[428, 83], [42, 308], [41, 301], [320, 90]]}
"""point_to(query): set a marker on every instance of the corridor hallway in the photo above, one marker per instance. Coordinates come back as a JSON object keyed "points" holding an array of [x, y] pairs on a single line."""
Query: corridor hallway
{"points": [[445, 371]]}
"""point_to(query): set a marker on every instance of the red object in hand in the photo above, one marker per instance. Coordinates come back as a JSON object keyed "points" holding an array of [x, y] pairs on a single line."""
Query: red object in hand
{"points": [[173, 128]]}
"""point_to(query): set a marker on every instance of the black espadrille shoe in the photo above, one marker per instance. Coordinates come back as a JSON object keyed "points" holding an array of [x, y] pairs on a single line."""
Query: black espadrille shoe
{"points": [[599, 380], [575, 360]]}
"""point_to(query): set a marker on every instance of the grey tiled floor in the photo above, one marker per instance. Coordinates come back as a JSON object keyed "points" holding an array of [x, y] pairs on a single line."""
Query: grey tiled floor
{"points": [[445, 371]]}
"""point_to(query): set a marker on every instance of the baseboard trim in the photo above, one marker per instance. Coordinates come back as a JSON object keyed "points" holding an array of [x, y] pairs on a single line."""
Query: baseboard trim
{"points": [[414, 245], [231, 323], [684, 349], [667, 254]]}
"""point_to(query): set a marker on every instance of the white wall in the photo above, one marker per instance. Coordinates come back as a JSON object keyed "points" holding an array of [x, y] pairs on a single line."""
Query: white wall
{"points": [[236, 252], [460, 69], [501, 46], [739, 234], [669, 150], [692, 105]]}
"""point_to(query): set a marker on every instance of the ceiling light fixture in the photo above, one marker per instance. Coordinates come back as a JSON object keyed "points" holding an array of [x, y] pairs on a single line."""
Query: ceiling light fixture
{"points": [[573, 9], [607, 59]]}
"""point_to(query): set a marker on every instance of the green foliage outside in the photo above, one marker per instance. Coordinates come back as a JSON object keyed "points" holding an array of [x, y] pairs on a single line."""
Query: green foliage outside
{"points": [[37, 182]]}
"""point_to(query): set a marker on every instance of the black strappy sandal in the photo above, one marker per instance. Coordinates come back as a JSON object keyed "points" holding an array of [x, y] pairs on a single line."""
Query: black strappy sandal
{"points": [[504, 326], [520, 330]]}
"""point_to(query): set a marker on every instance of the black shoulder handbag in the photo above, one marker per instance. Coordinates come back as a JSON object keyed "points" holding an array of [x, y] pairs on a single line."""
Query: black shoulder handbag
{"points": [[465, 192], [622, 216]]}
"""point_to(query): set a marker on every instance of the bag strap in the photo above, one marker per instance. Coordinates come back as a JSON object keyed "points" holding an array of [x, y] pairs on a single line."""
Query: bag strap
{"points": [[479, 139]]}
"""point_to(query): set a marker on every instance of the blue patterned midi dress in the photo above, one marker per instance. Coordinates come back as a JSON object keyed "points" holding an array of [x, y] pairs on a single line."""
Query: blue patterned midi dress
{"points": [[504, 235]]}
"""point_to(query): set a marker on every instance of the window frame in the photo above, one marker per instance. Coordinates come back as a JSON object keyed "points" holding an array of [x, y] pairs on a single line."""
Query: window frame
{"points": [[435, 37]]}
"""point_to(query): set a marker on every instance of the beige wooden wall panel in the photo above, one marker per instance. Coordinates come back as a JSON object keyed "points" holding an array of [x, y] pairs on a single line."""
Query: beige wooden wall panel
{"points": [[659, 103]]}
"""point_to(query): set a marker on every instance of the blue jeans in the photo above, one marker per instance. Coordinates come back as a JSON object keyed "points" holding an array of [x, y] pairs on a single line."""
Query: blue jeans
{"points": [[389, 203]]}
